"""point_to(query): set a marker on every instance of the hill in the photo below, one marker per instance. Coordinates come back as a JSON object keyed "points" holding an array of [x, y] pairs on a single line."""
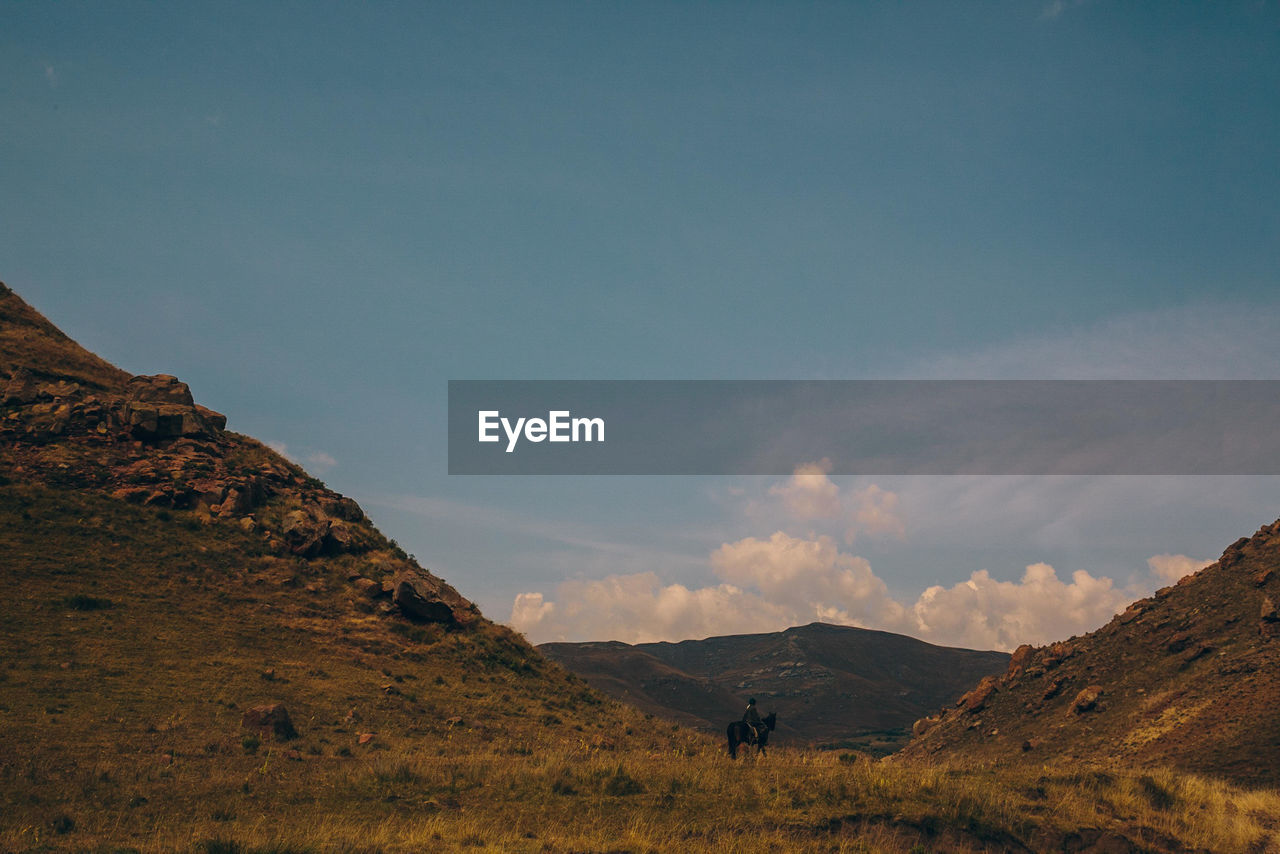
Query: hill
{"points": [[1188, 678], [834, 686]]}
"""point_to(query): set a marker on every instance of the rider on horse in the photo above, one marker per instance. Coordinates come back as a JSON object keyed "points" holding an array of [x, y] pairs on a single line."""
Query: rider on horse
{"points": [[752, 719]]}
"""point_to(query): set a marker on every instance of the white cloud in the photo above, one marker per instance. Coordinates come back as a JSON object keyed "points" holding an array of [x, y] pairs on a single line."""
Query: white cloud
{"points": [[51, 76], [810, 495], [770, 584], [985, 613], [639, 608], [1171, 568], [811, 578]]}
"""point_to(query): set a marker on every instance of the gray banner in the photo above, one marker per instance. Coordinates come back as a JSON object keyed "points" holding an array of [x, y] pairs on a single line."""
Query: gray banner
{"points": [[868, 427]]}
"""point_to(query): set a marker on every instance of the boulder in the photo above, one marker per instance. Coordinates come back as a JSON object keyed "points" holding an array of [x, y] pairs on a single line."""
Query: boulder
{"points": [[419, 600], [272, 717], [974, 701], [341, 507], [161, 407], [304, 532], [1020, 659], [424, 598], [1086, 700]]}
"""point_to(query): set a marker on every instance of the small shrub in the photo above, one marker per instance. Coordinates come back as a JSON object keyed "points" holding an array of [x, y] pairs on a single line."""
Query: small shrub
{"points": [[250, 743]]}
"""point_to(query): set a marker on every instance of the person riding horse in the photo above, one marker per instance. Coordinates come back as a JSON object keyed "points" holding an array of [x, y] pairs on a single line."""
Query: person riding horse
{"points": [[752, 719]]}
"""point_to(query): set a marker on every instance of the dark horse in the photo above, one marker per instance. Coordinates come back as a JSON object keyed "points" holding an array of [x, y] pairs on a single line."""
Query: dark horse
{"points": [[740, 733]]}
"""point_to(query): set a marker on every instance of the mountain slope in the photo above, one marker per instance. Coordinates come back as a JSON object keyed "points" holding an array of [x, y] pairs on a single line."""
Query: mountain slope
{"points": [[1189, 677], [832, 685]]}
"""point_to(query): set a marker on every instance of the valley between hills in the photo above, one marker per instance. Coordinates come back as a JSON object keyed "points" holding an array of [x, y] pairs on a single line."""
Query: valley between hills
{"points": [[207, 649]]}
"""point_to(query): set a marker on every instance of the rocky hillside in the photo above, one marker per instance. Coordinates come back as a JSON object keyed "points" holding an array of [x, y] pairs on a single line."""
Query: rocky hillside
{"points": [[70, 420], [831, 685], [1189, 678]]}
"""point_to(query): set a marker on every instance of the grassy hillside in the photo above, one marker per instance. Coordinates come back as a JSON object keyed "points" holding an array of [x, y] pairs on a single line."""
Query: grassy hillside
{"points": [[1187, 678]]}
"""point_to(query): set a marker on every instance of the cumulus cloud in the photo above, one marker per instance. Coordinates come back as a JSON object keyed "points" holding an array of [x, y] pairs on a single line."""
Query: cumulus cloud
{"points": [[985, 613], [809, 493], [770, 584], [811, 578], [1171, 568], [639, 608]]}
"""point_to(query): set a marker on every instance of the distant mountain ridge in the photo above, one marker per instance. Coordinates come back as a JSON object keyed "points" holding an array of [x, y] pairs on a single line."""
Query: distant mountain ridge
{"points": [[831, 685], [1189, 677]]}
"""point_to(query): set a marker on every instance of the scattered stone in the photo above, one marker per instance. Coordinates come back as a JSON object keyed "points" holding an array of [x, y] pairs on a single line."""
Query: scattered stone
{"points": [[1262, 577], [365, 738], [269, 674], [1178, 642], [352, 717], [1031, 744]]}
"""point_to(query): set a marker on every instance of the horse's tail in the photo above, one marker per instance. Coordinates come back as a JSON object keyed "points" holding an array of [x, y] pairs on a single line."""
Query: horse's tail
{"points": [[731, 734]]}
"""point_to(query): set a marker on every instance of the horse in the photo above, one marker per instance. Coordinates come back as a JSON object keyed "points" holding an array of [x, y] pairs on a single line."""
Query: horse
{"points": [[739, 732]]}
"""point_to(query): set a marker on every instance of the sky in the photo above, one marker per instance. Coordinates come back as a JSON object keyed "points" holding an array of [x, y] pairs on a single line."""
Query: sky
{"points": [[316, 214]]}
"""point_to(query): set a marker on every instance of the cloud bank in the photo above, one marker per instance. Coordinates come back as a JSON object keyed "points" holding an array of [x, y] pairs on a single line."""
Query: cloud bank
{"points": [[769, 585]]}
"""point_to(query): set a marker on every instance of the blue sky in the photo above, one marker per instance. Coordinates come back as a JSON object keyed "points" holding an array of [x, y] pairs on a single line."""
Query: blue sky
{"points": [[317, 214]]}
